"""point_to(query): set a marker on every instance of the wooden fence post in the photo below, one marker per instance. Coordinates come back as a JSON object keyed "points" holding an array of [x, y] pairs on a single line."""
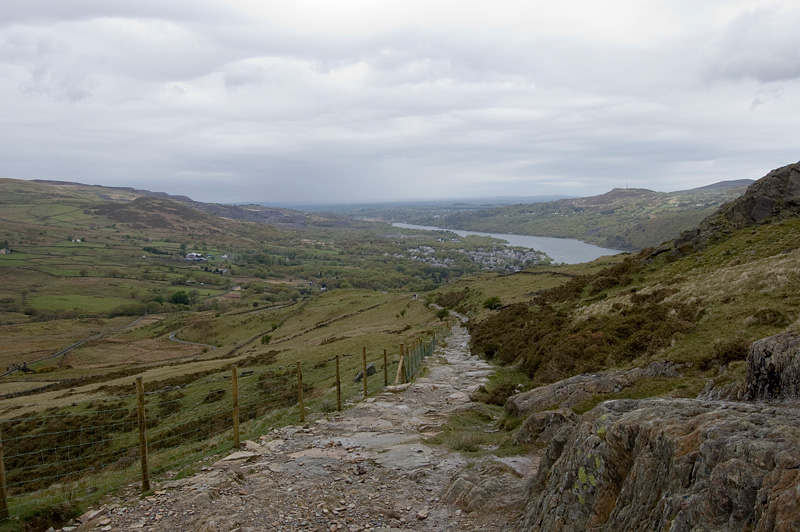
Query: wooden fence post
{"points": [[3, 486], [300, 393], [385, 369], [142, 434], [338, 387], [364, 368], [400, 366], [410, 364], [400, 372], [235, 386]]}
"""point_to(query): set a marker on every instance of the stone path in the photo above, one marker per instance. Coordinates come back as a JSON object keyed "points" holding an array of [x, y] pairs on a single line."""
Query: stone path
{"points": [[368, 468]]}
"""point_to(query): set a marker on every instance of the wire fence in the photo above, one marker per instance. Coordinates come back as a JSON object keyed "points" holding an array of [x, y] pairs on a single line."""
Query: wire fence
{"points": [[77, 453]]}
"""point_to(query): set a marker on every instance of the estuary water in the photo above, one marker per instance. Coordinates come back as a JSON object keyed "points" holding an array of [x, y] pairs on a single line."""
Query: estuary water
{"points": [[566, 250]]}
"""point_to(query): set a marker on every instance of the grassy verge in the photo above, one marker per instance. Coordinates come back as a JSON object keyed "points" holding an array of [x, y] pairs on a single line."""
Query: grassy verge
{"points": [[481, 430]]}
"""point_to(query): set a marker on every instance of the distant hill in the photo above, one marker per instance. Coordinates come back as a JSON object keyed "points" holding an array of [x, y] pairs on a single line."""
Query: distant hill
{"points": [[628, 219], [685, 318], [381, 208], [774, 197], [247, 213], [99, 251], [736, 184], [701, 298]]}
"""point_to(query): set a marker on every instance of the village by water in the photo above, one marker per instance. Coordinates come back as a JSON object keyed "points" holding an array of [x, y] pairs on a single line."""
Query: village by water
{"points": [[566, 250]]}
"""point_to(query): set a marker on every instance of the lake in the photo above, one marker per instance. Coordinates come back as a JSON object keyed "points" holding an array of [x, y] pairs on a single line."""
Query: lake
{"points": [[567, 250]]}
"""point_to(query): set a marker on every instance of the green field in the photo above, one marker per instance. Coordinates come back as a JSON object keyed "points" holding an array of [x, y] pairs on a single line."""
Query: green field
{"points": [[92, 304]]}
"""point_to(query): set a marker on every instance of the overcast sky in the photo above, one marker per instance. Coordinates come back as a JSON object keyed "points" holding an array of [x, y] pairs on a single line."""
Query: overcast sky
{"points": [[339, 100]]}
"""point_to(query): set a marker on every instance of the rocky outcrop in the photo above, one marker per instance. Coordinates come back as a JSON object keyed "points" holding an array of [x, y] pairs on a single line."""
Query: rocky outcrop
{"points": [[773, 197], [541, 427], [676, 464], [574, 390], [488, 483], [673, 464], [773, 369], [729, 391], [370, 371]]}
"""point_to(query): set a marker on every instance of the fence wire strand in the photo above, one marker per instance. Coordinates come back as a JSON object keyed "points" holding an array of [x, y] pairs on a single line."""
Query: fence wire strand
{"points": [[45, 460]]}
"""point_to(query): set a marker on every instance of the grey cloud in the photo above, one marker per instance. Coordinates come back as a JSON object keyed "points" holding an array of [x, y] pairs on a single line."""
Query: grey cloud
{"points": [[60, 84], [762, 44], [36, 11], [765, 96], [28, 46], [146, 50], [201, 100]]}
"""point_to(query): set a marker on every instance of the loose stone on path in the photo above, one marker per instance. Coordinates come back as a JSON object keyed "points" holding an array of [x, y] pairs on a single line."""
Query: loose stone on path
{"points": [[368, 468]]}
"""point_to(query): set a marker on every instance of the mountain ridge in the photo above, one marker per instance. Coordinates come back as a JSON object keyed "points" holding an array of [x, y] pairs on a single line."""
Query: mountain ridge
{"points": [[658, 453], [774, 197], [631, 219], [721, 185], [248, 213]]}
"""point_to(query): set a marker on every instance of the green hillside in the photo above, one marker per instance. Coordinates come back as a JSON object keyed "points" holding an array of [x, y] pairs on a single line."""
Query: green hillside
{"points": [[627, 219], [97, 291], [85, 261], [698, 301], [103, 271]]}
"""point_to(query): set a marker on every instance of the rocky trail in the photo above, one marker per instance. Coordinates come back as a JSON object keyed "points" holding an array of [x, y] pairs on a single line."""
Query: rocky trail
{"points": [[367, 468]]}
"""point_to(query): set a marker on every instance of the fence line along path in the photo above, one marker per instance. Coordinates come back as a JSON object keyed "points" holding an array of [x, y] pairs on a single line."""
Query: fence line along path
{"points": [[367, 468]]}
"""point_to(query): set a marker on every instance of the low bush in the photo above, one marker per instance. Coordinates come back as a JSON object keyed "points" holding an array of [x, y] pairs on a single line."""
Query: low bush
{"points": [[492, 303], [453, 299], [725, 351], [769, 317], [548, 344]]}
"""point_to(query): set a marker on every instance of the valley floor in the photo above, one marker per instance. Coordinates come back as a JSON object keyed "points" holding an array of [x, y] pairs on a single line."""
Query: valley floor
{"points": [[368, 468]]}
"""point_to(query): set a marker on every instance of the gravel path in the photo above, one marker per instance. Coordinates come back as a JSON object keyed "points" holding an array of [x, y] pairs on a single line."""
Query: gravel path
{"points": [[367, 468]]}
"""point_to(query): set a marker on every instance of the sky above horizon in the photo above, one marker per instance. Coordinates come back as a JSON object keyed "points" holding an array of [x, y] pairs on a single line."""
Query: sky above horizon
{"points": [[377, 100]]}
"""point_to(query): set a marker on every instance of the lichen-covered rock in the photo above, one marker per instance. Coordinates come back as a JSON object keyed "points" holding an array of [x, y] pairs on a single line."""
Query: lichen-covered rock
{"points": [[540, 427], [488, 483], [729, 391], [773, 369], [574, 390], [672, 464]]}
